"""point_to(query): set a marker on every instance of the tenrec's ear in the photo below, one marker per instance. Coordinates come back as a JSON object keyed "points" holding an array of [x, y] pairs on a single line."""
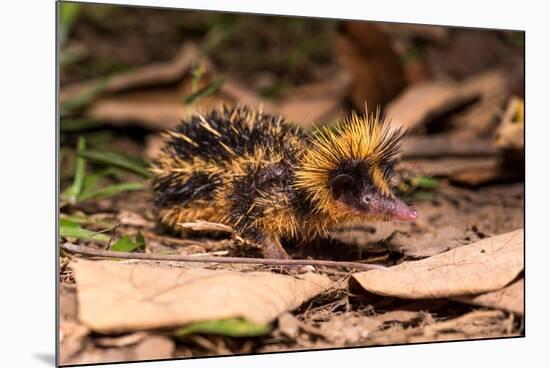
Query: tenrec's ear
{"points": [[339, 184]]}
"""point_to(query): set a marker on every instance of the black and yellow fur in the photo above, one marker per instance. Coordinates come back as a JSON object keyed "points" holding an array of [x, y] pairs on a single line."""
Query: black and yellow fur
{"points": [[264, 176]]}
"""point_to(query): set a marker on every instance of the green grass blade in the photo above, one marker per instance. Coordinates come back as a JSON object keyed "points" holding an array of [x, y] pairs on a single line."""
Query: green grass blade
{"points": [[74, 125], [83, 234], [118, 160], [208, 90], [90, 181], [68, 223], [233, 327], [83, 220], [83, 99], [124, 244], [111, 191], [67, 16], [140, 240], [72, 193]]}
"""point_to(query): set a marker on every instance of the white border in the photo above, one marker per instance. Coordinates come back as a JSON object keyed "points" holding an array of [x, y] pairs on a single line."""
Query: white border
{"points": [[27, 177]]}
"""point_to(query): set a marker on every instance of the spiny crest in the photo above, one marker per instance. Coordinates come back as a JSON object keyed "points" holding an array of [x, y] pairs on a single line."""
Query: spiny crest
{"points": [[369, 139], [365, 140]]}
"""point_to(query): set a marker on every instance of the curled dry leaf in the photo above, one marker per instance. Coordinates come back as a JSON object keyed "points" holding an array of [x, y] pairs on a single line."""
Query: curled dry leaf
{"points": [[367, 54], [115, 297], [510, 298], [492, 87], [424, 102], [486, 265], [476, 102]]}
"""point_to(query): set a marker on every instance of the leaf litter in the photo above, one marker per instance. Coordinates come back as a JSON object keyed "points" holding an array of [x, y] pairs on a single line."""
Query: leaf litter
{"points": [[461, 185], [115, 297], [487, 265]]}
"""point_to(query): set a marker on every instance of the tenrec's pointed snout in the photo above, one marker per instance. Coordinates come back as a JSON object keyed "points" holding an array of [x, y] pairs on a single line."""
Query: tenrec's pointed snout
{"points": [[399, 210]]}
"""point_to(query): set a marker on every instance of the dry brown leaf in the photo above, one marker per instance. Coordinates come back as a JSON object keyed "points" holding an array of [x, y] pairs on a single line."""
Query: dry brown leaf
{"points": [[471, 171], [493, 88], [155, 347], [115, 297], [483, 49], [483, 266], [146, 76], [423, 102], [511, 298], [151, 96], [71, 336], [71, 333], [367, 54], [162, 108], [93, 355], [154, 108], [446, 144], [130, 218]]}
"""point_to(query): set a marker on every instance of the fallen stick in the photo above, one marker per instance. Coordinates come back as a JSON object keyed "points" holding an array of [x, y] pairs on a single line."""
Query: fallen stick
{"points": [[80, 249]]}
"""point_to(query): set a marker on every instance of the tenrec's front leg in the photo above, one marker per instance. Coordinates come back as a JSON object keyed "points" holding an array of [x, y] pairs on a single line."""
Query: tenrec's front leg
{"points": [[272, 248]]}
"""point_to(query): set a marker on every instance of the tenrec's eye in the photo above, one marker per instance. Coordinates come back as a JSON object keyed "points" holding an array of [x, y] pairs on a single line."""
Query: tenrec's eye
{"points": [[388, 168], [366, 199]]}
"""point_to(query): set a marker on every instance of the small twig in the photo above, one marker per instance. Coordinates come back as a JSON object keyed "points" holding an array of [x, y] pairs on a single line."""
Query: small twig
{"points": [[108, 246], [209, 259]]}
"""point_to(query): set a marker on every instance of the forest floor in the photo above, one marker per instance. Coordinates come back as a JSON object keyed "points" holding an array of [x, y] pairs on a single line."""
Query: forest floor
{"points": [[455, 273]]}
